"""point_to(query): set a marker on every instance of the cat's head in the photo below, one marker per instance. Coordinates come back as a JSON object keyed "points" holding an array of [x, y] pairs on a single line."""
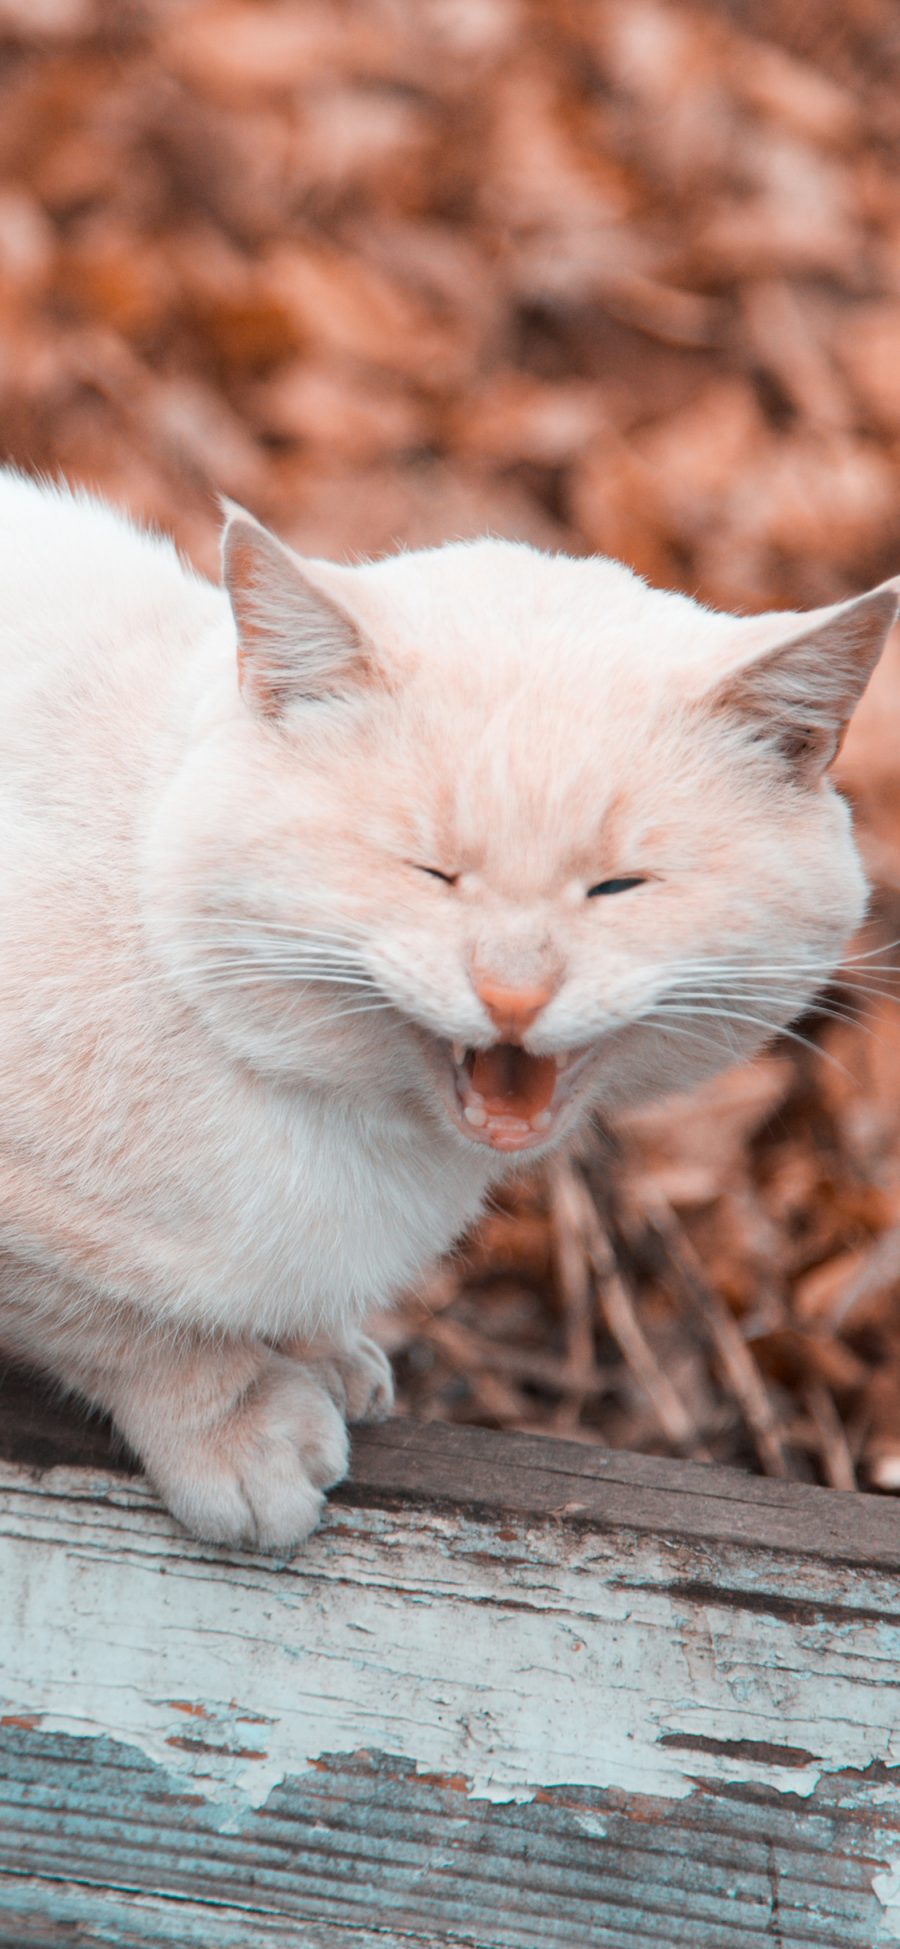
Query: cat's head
{"points": [[506, 835]]}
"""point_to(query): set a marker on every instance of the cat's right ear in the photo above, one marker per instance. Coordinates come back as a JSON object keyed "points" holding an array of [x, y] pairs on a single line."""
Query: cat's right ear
{"points": [[296, 643], [797, 694]]}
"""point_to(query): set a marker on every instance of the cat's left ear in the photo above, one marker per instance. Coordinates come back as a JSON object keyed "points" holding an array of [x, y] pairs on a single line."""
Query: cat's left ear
{"points": [[296, 642], [798, 694]]}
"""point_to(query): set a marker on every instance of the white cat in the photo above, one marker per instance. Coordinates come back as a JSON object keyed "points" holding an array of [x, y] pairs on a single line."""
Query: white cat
{"points": [[326, 895]]}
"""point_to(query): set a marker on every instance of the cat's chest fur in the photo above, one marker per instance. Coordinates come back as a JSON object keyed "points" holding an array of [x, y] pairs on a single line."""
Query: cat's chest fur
{"points": [[300, 1211]]}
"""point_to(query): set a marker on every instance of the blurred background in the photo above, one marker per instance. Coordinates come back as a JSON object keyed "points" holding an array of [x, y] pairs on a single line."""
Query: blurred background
{"points": [[611, 275]]}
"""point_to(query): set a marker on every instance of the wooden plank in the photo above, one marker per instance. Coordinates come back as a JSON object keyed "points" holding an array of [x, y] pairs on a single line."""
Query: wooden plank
{"points": [[523, 1475], [35, 1912], [356, 1852], [435, 1463], [514, 1692]]}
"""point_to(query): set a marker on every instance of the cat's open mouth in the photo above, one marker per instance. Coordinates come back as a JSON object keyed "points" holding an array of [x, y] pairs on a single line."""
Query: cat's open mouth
{"points": [[509, 1099]]}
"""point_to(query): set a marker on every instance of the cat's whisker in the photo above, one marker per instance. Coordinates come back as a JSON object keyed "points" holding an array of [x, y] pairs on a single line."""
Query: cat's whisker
{"points": [[243, 986], [749, 989], [870, 954], [209, 974], [268, 977], [858, 994], [666, 1027], [274, 951], [346, 937], [266, 969], [254, 942], [819, 1011], [724, 1016], [342, 1014], [767, 990], [713, 971], [820, 972], [750, 971], [805, 960], [278, 970]]}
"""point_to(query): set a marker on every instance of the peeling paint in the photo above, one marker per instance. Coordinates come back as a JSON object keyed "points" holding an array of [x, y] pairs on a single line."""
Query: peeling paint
{"points": [[886, 1889], [502, 1663]]}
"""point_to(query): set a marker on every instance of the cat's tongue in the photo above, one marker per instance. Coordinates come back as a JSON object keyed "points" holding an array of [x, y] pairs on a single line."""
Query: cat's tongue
{"points": [[507, 1079], [508, 1094]]}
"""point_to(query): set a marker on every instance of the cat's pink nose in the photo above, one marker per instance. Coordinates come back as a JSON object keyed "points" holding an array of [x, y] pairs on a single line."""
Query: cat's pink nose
{"points": [[512, 1010]]}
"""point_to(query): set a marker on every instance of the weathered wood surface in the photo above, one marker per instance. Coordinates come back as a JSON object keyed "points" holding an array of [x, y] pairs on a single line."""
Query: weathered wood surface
{"points": [[513, 1693]]}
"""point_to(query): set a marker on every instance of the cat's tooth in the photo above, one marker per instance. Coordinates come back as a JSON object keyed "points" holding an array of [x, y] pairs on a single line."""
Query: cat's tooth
{"points": [[563, 1061], [459, 1054], [475, 1113], [542, 1120]]}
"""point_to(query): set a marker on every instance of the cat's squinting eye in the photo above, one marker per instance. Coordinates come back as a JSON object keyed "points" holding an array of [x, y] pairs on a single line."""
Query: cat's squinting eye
{"points": [[434, 873], [616, 886]]}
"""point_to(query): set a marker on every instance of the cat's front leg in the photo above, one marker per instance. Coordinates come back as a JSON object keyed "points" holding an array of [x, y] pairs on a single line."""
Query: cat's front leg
{"points": [[240, 1439]]}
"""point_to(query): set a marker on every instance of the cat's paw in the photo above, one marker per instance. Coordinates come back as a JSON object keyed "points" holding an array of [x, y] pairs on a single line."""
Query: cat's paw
{"points": [[358, 1377], [255, 1478]]}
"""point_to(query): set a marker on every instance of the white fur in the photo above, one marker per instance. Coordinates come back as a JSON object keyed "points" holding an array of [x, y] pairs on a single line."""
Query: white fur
{"points": [[200, 1156]]}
